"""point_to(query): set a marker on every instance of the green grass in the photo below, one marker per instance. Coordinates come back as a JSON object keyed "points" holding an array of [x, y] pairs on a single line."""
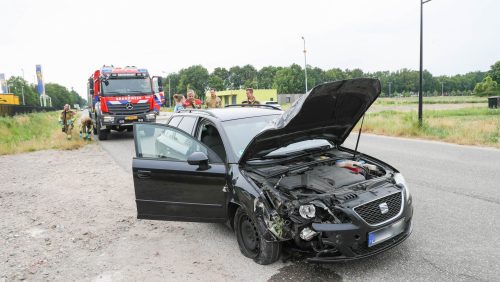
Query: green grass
{"points": [[474, 126], [432, 100], [32, 132]]}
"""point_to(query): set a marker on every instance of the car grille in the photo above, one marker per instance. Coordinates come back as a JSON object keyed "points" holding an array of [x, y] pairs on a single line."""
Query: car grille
{"points": [[370, 212], [121, 109]]}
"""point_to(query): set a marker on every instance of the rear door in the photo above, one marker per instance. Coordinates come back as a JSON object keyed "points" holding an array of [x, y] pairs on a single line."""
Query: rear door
{"points": [[166, 186]]}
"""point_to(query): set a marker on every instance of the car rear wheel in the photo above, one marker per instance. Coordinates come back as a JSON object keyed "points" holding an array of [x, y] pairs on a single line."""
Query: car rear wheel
{"points": [[250, 240]]}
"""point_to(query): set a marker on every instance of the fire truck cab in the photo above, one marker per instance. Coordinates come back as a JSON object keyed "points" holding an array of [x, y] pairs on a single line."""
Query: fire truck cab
{"points": [[118, 97]]}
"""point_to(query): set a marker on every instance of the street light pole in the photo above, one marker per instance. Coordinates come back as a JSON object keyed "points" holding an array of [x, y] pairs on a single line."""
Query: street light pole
{"points": [[305, 60], [420, 94], [169, 93]]}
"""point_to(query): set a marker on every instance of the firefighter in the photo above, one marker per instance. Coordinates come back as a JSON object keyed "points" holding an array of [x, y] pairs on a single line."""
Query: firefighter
{"points": [[250, 98], [191, 101], [86, 128], [66, 120], [213, 101]]}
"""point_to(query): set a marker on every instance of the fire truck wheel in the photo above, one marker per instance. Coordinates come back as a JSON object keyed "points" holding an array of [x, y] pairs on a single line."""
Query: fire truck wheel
{"points": [[102, 134]]}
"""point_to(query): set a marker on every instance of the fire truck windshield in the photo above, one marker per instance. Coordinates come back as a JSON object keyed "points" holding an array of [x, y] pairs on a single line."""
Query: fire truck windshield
{"points": [[125, 86]]}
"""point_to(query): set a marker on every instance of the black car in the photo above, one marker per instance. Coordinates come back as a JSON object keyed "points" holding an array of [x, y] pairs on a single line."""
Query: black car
{"points": [[279, 179]]}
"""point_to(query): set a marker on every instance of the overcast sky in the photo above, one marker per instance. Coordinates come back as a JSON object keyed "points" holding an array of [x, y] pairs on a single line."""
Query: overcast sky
{"points": [[73, 38]]}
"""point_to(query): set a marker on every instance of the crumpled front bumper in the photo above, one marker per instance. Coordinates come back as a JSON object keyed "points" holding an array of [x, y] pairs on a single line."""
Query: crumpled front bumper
{"points": [[349, 241]]}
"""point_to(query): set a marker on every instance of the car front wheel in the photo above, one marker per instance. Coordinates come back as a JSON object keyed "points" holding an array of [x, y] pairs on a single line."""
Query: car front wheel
{"points": [[250, 240]]}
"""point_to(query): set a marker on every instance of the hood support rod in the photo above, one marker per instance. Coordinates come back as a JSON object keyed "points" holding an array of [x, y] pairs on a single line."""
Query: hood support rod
{"points": [[359, 135]]}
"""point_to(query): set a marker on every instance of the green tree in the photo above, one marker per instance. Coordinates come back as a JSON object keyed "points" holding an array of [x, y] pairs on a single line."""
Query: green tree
{"points": [[488, 87], [194, 77], [59, 95], [494, 72], [220, 76], [235, 78], [18, 86], [290, 80], [334, 74], [265, 77], [315, 76], [249, 76]]}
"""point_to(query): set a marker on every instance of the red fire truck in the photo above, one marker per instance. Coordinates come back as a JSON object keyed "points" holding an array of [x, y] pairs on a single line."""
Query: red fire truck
{"points": [[118, 97]]}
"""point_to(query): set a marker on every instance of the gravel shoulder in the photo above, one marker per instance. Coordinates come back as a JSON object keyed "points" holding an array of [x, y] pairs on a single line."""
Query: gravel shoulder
{"points": [[64, 218]]}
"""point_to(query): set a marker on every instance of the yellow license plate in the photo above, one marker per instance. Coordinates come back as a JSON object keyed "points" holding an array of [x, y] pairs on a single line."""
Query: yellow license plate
{"points": [[131, 118]]}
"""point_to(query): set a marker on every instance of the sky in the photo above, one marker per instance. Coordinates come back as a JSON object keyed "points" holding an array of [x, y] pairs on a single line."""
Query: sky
{"points": [[71, 39]]}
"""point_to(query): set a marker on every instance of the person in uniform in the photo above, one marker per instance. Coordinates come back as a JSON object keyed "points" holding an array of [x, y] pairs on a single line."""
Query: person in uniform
{"points": [[86, 128], [250, 98], [213, 101], [191, 101], [66, 120]]}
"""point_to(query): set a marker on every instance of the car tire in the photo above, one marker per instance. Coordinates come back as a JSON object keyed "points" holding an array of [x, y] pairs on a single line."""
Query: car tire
{"points": [[251, 241]]}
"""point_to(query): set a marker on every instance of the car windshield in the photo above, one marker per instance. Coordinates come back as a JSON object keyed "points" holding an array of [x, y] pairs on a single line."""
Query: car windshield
{"points": [[127, 86], [241, 131]]}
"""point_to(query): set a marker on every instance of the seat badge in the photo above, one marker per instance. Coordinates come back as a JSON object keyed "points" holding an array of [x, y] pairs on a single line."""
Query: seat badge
{"points": [[383, 208]]}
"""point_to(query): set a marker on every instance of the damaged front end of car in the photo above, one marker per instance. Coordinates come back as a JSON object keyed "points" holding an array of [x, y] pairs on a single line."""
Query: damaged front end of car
{"points": [[328, 200], [332, 208]]}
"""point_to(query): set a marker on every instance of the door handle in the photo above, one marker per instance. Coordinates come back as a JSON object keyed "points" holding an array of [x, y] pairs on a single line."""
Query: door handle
{"points": [[144, 174]]}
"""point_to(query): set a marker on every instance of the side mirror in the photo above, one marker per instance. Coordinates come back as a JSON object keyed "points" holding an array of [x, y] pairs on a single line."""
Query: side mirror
{"points": [[200, 159], [160, 84], [91, 86]]}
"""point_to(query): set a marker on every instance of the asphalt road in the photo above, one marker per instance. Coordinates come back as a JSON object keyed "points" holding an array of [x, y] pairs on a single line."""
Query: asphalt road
{"points": [[456, 192]]}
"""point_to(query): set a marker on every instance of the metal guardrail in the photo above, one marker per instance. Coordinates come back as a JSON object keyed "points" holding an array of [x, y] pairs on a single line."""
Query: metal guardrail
{"points": [[11, 110]]}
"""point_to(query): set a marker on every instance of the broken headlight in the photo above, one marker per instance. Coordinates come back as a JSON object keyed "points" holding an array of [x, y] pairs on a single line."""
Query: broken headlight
{"points": [[399, 179], [307, 211]]}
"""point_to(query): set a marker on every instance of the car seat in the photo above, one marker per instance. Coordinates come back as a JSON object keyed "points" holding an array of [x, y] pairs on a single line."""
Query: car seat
{"points": [[213, 141]]}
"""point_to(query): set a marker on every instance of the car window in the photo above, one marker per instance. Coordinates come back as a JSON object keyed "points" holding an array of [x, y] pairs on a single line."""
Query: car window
{"points": [[174, 121], [187, 124], [167, 143], [209, 135]]}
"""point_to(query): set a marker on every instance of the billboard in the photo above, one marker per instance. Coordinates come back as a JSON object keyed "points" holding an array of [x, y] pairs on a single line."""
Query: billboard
{"points": [[3, 83], [39, 78]]}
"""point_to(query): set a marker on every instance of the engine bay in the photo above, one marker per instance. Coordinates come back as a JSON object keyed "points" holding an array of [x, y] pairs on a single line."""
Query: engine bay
{"points": [[315, 188]]}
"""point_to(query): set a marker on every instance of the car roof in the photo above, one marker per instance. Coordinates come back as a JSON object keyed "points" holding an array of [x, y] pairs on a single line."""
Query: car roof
{"points": [[225, 114]]}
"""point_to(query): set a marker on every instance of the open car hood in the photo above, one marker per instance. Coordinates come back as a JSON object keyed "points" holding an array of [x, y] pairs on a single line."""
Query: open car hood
{"points": [[329, 111]]}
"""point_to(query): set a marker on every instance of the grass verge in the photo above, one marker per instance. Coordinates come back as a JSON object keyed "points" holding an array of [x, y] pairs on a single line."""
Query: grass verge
{"points": [[473, 126], [432, 100], [36, 131]]}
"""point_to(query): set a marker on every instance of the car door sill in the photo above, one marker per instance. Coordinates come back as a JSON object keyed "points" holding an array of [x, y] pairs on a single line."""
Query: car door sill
{"points": [[180, 203]]}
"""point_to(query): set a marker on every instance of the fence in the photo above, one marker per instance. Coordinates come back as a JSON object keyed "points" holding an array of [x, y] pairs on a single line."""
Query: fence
{"points": [[11, 110]]}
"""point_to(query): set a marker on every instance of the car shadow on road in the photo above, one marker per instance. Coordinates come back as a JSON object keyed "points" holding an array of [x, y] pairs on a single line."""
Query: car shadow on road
{"points": [[298, 269]]}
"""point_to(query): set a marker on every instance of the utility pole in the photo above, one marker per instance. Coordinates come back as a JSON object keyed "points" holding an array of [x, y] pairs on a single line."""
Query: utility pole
{"points": [[305, 60], [169, 90], [420, 94], [442, 88], [22, 87]]}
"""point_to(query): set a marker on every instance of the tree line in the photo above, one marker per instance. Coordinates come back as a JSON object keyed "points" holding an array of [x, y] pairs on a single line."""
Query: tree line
{"points": [[59, 94], [290, 80]]}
